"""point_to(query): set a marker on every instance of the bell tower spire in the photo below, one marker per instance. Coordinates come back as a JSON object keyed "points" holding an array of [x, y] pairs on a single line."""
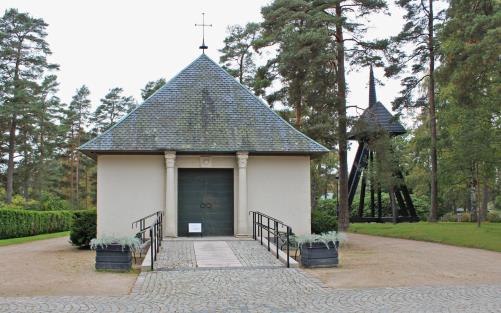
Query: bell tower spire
{"points": [[372, 88]]}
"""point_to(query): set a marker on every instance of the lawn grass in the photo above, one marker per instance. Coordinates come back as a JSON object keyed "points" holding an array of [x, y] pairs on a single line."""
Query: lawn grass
{"points": [[13, 241], [488, 236]]}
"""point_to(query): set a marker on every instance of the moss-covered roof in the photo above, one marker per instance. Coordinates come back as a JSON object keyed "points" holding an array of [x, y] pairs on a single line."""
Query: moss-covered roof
{"points": [[202, 110]]}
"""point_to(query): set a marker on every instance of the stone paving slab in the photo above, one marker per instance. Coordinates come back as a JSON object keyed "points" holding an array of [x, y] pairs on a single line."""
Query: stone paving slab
{"points": [[215, 254]]}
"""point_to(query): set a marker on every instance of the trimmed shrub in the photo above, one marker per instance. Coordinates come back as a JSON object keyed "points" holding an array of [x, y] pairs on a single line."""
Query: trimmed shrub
{"points": [[493, 217], [22, 223], [328, 205], [322, 221], [449, 217], [83, 228]]}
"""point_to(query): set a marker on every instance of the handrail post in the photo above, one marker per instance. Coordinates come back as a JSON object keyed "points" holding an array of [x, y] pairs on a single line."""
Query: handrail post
{"points": [[261, 228], [254, 225], [151, 248], [268, 234], [276, 236], [288, 231]]}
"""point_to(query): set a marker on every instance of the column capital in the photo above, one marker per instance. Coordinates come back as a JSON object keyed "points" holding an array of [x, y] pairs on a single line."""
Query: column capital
{"points": [[242, 159], [170, 158]]}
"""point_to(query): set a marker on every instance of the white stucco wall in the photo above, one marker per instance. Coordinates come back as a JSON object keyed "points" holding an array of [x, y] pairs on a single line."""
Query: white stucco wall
{"points": [[280, 187], [128, 187], [132, 186]]}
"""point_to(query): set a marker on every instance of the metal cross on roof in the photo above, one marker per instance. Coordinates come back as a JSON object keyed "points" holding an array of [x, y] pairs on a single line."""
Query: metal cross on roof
{"points": [[203, 46]]}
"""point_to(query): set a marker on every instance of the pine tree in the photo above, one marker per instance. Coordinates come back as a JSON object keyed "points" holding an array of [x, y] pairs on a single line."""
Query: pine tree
{"points": [[311, 55], [470, 83], [46, 111], [113, 107], [23, 60], [415, 49], [151, 87], [345, 17], [76, 119], [237, 54]]}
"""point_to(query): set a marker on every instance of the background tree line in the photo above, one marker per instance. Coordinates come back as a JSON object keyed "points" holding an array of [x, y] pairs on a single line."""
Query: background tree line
{"points": [[39, 133], [448, 57]]}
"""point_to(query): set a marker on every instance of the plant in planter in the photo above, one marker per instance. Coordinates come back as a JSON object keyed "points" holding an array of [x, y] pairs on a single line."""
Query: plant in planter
{"points": [[320, 250], [114, 253]]}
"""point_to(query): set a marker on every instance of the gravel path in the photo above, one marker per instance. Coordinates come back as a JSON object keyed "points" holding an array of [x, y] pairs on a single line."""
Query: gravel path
{"points": [[55, 267], [370, 261], [254, 288]]}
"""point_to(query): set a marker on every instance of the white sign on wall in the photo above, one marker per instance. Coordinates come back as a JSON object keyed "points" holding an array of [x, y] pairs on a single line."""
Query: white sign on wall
{"points": [[194, 227]]}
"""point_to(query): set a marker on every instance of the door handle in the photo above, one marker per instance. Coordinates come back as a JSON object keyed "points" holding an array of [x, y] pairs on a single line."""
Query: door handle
{"points": [[205, 205]]}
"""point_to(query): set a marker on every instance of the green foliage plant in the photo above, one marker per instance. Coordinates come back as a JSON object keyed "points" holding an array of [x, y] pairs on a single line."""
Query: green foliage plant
{"points": [[22, 223], [324, 238], [131, 242], [83, 228]]}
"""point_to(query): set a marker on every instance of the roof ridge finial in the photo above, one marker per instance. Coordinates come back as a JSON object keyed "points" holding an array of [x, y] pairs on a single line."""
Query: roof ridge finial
{"points": [[203, 46], [372, 88]]}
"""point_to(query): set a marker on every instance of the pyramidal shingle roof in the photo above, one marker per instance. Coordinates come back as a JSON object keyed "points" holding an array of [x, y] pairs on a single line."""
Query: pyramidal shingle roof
{"points": [[376, 117], [202, 110]]}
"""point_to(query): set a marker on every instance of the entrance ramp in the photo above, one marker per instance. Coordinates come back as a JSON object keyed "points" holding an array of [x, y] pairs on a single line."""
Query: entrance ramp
{"points": [[202, 253]]}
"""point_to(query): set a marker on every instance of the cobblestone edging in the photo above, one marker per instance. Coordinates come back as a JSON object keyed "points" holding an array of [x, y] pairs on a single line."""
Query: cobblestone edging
{"points": [[252, 254], [176, 255]]}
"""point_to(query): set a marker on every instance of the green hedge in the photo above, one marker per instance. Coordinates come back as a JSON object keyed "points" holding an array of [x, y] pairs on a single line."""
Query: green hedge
{"points": [[83, 229], [323, 216], [22, 223]]}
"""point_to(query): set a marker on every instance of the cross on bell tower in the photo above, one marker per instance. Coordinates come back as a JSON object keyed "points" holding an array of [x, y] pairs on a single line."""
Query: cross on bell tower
{"points": [[203, 46]]}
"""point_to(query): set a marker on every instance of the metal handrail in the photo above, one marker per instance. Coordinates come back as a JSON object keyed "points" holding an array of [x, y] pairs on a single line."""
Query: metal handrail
{"points": [[155, 233], [276, 225]]}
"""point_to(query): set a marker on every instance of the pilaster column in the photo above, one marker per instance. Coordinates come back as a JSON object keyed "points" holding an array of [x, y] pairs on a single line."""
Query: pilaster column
{"points": [[242, 213], [170, 194]]}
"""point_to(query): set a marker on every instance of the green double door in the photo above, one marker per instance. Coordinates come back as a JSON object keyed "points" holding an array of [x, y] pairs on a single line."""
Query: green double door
{"points": [[206, 196]]}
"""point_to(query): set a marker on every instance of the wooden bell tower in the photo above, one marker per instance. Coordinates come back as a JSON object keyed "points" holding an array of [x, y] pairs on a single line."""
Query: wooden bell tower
{"points": [[373, 121]]}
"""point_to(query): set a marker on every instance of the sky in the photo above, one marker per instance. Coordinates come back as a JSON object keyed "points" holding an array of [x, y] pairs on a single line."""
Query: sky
{"points": [[106, 44]]}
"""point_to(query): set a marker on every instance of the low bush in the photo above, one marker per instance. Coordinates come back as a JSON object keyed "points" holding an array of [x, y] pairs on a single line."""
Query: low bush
{"points": [[47, 202], [22, 223], [449, 217], [467, 217], [493, 217], [322, 222], [83, 228]]}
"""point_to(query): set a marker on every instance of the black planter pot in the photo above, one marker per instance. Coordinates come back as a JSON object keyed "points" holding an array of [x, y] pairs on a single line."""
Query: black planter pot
{"points": [[113, 257], [317, 255]]}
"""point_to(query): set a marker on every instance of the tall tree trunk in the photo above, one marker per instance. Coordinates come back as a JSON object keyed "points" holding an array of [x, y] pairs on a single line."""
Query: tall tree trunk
{"points": [[72, 179], [343, 218], [10, 162], [485, 201], [433, 122], [12, 131], [86, 188], [26, 174], [241, 66]]}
